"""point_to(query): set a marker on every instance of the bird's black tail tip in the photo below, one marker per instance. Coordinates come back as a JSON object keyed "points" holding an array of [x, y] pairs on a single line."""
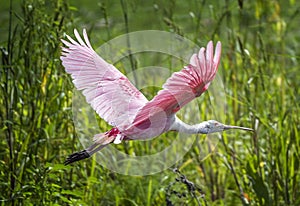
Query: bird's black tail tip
{"points": [[76, 157]]}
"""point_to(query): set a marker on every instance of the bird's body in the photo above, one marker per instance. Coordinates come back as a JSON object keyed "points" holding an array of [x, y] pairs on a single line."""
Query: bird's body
{"points": [[123, 106]]}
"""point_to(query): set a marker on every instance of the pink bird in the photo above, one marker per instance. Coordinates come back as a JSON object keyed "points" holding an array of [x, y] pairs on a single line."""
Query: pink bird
{"points": [[123, 106]]}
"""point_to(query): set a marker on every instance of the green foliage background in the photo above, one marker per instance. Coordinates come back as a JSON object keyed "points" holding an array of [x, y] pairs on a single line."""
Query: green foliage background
{"points": [[259, 67]]}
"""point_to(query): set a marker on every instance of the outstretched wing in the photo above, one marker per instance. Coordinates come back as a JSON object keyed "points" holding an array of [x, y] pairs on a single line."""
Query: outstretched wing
{"points": [[106, 89], [183, 86]]}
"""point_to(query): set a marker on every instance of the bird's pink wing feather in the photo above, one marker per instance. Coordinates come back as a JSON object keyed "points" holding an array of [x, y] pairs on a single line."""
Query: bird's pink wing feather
{"points": [[183, 86], [106, 89]]}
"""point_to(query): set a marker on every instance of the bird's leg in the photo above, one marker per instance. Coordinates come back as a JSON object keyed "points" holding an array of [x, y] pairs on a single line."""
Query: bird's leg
{"points": [[84, 153], [76, 157], [100, 143], [100, 140]]}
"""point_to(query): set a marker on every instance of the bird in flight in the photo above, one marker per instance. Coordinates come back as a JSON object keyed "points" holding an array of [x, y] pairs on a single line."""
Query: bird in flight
{"points": [[116, 100]]}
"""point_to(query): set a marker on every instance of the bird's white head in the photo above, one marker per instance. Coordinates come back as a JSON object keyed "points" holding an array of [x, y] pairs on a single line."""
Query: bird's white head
{"points": [[212, 126]]}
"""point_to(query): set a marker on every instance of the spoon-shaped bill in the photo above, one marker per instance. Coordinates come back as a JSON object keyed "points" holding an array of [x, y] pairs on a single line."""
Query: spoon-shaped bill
{"points": [[227, 127]]}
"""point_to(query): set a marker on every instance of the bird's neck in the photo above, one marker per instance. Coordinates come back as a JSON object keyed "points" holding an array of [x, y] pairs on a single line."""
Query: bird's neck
{"points": [[182, 127]]}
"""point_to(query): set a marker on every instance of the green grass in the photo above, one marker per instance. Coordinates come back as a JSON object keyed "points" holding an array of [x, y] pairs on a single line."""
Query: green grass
{"points": [[259, 69]]}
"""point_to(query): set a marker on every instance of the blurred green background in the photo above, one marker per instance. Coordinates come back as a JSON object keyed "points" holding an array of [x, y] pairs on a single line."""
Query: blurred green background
{"points": [[259, 69]]}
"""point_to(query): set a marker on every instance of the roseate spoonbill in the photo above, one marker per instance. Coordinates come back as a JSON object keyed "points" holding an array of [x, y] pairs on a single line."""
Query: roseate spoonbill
{"points": [[122, 105]]}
